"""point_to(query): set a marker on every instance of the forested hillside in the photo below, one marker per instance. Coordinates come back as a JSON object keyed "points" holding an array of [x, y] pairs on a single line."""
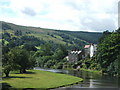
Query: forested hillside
{"points": [[72, 40], [87, 36]]}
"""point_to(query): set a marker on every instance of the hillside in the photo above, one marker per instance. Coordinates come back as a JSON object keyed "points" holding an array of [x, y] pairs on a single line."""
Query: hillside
{"points": [[71, 39]]}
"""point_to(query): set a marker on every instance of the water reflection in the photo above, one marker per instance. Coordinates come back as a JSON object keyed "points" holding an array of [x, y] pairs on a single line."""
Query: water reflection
{"points": [[91, 80]]}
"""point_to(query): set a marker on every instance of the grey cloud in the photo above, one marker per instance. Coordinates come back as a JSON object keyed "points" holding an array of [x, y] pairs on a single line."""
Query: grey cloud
{"points": [[119, 14], [29, 11], [100, 25], [95, 23], [84, 10]]}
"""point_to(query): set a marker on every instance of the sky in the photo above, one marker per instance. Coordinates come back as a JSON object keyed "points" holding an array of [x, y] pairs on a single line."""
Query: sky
{"points": [[73, 15]]}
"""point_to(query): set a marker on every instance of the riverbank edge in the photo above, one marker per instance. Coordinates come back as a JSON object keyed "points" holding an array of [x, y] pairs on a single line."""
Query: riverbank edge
{"points": [[83, 69], [92, 71], [65, 85]]}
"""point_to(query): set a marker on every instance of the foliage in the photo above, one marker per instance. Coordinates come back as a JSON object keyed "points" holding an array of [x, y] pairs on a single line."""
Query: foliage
{"points": [[59, 65], [17, 58], [50, 64], [22, 59], [7, 63], [6, 36], [18, 33], [109, 51], [87, 36], [29, 47]]}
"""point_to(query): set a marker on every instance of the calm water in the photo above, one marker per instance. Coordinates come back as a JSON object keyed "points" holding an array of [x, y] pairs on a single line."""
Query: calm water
{"points": [[91, 80]]}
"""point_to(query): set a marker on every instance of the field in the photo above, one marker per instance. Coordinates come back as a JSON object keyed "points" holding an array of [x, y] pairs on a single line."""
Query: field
{"points": [[39, 79]]}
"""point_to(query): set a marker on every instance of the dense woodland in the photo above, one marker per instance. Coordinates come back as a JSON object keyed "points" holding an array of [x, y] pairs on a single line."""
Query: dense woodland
{"points": [[27, 47], [108, 54]]}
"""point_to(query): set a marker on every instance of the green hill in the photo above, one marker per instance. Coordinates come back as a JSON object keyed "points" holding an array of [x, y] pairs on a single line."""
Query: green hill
{"points": [[71, 39]]}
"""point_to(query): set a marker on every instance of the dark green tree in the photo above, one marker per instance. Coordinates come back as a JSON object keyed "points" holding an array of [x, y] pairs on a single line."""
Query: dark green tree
{"points": [[60, 53], [18, 33], [6, 64], [45, 50], [22, 59], [108, 51]]}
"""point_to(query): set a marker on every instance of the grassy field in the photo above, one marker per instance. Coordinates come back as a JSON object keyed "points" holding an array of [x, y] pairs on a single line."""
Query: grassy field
{"points": [[45, 37], [39, 79]]}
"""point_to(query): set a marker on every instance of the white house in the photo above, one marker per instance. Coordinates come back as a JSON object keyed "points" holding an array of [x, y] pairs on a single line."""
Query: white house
{"points": [[90, 50]]}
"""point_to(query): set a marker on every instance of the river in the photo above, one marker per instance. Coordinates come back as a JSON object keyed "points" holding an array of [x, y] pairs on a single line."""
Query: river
{"points": [[91, 80]]}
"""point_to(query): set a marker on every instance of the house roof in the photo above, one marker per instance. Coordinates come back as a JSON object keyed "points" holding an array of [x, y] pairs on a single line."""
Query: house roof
{"points": [[87, 46]]}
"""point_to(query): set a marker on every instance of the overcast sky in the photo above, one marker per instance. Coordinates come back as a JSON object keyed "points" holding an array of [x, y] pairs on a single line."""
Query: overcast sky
{"points": [[75, 15]]}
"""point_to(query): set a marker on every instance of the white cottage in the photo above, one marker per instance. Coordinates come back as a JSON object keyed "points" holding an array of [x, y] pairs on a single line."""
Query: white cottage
{"points": [[90, 50]]}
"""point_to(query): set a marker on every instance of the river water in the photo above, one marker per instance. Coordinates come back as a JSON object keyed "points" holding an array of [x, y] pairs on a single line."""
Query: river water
{"points": [[91, 80]]}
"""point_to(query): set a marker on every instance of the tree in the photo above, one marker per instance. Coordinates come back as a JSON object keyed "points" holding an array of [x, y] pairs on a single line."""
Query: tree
{"points": [[5, 50], [22, 59], [18, 33], [108, 51], [6, 61], [6, 64], [60, 53], [50, 63], [46, 49], [6, 36], [29, 47], [44, 59], [59, 65]]}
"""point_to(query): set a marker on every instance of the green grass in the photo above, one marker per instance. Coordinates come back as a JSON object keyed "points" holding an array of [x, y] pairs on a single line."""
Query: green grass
{"points": [[40, 79], [88, 70], [48, 38]]}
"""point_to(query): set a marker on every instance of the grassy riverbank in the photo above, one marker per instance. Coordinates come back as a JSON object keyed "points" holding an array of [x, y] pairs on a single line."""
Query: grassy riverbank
{"points": [[89, 70], [39, 79]]}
